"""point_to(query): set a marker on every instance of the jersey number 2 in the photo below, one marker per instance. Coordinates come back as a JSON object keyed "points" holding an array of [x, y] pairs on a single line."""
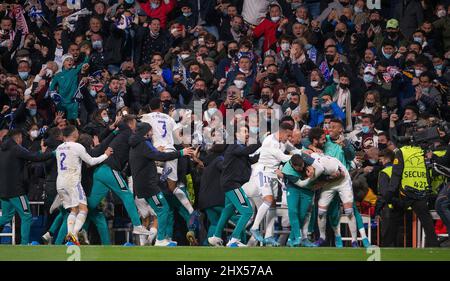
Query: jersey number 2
{"points": [[61, 164]]}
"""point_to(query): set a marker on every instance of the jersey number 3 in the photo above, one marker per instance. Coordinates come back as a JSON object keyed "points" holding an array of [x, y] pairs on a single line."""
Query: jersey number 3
{"points": [[164, 128]]}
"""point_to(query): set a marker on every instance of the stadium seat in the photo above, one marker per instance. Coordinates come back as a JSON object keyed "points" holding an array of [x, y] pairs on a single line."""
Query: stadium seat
{"points": [[11, 234], [421, 232], [366, 220]]}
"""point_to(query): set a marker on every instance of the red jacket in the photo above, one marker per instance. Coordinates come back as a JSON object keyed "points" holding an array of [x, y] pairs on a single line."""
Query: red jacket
{"points": [[246, 105], [267, 28], [161, 12]]}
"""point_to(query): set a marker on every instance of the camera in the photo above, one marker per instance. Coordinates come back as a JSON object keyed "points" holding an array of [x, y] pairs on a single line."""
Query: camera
{"points": [[424, 135]]}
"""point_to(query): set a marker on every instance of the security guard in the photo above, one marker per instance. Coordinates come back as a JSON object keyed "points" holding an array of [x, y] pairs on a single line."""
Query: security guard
{"points": [[390, 216], [410, 178]]}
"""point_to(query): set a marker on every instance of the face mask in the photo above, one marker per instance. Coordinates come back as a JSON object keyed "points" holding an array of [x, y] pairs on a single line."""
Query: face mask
{"points": [[418, 72], [425, 91], [343, 86], [365, 129], [184, 56], [145, 81], [299, 20], [314, 84], [439, 67], [272, 77], [373, 162], [368, 78], [418, 40], [244, 71], [265, 98], [240, 84], [92, 92], [154, 5], [23, 75], [275, 19], [97, 44], [329, 58], [340, 33], [358, 10], [187, 14], [285, 46], [34, 134], [106, 119], [325, 107], [212, 111], [102, 105], [254, 130], [392, 34], [32, 111], [232, 53], [370, 104], [387, 56], [308, 47], [236, 28], [382, 146], [441, 13], [292, 105], [375, 22], [194, 75]]}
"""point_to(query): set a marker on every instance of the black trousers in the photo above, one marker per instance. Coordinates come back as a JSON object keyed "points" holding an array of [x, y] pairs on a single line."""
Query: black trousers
{"points": [[392, 220]]}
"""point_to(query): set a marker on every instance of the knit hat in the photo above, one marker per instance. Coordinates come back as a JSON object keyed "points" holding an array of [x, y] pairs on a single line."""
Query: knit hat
{"points": [[66, 56]]}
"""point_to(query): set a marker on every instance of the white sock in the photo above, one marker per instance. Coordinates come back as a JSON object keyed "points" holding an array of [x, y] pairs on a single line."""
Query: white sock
{"points": [[362, 232], [71, 222], [262, 210], [352, 226], [322, 223], [181, 196], [81, 218], [270, 223], [142, 240]]}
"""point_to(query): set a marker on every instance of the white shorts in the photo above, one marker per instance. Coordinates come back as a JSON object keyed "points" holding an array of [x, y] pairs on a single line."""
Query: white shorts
{"points": [[72, 195], [144, 208], [173, 164], [267, 183], [344, 190]]}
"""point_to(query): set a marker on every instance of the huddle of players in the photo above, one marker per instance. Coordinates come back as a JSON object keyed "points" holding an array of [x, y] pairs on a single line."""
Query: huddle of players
{"points": [[135, 144], [247, 187], [141, 144]]}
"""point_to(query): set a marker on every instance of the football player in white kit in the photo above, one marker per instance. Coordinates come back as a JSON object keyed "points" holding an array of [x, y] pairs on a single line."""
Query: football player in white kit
{"points": [[69, 157], [164, 127], [264, 175], [338, 182]]}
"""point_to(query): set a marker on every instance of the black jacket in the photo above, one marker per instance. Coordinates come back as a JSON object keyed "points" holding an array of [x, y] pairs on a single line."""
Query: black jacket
{"points": [[119, 159], [210, 193], [142, 163], [236, 166], [141, 94], [13, 159]]}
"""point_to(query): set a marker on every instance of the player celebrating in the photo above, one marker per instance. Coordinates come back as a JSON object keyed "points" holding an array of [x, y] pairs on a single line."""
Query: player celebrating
{"points": [[69, 157], [163, 127], [264, 175]]}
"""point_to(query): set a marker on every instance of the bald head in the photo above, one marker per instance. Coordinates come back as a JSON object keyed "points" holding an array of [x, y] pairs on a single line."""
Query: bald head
{"points": [[296, 137]]}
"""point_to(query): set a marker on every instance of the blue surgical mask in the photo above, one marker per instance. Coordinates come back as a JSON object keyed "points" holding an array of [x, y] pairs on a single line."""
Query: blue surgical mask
{"points": [[211, 111], [97, 45], [439, 67], [325, 107], [254, 130], [32, 111], [365, 129], [387, 56], [23, 75], [106, 119], [418, 40], [187, 14], [368, 78], [154, 5], [373, 162]]}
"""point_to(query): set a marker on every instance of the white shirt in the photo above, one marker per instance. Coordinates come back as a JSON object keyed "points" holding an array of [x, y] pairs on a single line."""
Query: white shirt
{"points": [[69, 157], [163, 127], [272, 154]]}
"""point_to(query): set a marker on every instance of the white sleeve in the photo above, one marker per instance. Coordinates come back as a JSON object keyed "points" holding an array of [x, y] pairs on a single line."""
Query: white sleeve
{"points": [[91, 161], [279, 155], [318, 170]]}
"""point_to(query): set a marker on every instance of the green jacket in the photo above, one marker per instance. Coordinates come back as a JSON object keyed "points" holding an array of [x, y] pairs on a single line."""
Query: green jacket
{"points": [[291, 176], [66, 82]]}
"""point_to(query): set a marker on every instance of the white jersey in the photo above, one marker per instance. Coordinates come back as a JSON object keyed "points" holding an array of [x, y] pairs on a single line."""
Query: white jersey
{"points": [[271, 154], [69, 157], [163, 127]]}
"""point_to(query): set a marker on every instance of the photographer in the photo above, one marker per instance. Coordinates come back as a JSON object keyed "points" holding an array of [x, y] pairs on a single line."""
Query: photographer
{"points": [[410, 178], [234, 101]]}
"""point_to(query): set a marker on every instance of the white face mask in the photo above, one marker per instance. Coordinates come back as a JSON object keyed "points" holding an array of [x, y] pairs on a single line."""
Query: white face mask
{"points": [[244, 71], [240, 84], [275, 19], [441, 13], [285, 46], [34, 134], [49, 73], [106, 119], [184, 56], [314, 84]]}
